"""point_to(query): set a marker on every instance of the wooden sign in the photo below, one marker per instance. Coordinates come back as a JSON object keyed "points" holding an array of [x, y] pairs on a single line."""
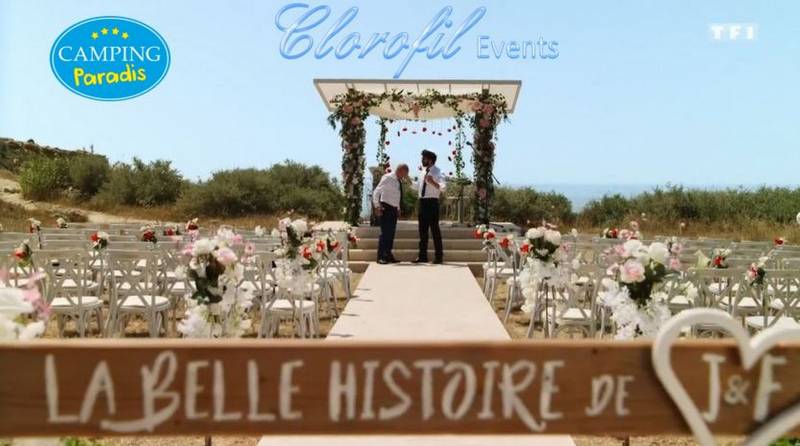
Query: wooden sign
{"points": [[158, 387]]}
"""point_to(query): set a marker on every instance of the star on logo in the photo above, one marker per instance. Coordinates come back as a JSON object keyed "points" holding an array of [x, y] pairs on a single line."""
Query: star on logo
{"points": [[104, 31], [94, 35], [115, 31], [124, 35]]}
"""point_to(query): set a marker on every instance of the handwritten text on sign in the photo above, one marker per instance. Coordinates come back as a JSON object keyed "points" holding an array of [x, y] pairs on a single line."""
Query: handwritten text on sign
{"points": [[171, 387]]}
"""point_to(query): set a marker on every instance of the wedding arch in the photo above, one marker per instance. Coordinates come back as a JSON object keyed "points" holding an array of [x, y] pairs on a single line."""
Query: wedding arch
{"points": [[479, 104]]}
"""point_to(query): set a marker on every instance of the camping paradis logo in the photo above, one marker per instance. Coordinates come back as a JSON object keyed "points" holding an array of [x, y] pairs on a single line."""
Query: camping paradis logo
{"points": [[441, 38], [110, 58]]}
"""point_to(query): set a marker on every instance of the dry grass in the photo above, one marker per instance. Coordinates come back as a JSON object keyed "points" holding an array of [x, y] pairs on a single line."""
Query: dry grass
{"points": [[15, 219]]}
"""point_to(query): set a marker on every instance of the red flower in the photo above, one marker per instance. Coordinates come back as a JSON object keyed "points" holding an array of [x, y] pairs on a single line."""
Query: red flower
{"points": [[779, 241], [94, 237], [320, 246], [307, 252], [424, 129], [388, 142], [488, 235], [477, 234], [718, 261], [20, 254], [388, 170], [505, 242], [525, 248]]}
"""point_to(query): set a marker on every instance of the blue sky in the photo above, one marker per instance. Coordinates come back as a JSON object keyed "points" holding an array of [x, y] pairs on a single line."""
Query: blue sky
{"points": [[640, 93]]}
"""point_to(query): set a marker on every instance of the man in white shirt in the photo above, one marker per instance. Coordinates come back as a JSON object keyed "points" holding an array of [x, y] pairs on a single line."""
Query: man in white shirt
{"points": [[386, 199], [430, 189]]}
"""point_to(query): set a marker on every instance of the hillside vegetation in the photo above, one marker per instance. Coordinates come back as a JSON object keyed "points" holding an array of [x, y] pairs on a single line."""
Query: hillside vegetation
{"points": [[156, 190]]}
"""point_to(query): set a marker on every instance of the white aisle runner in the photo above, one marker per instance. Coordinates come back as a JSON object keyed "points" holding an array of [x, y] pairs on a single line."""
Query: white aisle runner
{"points": [[418, 302]]}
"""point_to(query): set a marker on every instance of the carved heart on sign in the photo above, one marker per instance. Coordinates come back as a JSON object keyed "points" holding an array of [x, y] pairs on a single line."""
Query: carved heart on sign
{"points": [[750, 350]]}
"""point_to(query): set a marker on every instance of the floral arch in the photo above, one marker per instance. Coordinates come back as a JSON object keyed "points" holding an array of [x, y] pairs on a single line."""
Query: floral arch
{"points": [[481, 105]]}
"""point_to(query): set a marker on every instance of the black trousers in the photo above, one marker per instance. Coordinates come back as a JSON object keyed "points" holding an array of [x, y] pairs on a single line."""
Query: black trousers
{"points": [[388, 222], [429, 220]]}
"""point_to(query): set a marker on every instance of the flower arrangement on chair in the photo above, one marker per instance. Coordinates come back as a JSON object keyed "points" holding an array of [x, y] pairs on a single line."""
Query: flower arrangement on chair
{"points": [[148, 234], [545, 262], [24, 311], [351, 237], [23, 254], [61, 223], [718, 259], [34, 225], [218, 306], [301, 256], [171, 230], [779, 241], [633, 293], [756, 272], [485, 233], [99, 240]]}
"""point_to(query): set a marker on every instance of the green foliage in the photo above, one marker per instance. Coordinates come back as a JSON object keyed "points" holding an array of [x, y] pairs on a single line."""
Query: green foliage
{"points": [[142, 184], [786, 442], [87, 173], [675, 203], [527, 207], [75, 441], [44, 178], [284, 187]]}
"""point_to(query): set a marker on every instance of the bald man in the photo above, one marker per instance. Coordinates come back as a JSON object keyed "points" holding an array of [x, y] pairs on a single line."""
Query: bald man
{"points": [[386, 199]]}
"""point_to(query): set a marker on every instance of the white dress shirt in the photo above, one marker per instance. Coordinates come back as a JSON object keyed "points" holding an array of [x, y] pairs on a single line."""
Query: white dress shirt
{"points": [[431, 191], [387, 191]]}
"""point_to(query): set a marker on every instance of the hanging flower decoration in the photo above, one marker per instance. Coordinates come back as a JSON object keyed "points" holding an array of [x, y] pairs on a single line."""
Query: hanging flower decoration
{"points": [[490, 110], [381, 156], [351, 109]]}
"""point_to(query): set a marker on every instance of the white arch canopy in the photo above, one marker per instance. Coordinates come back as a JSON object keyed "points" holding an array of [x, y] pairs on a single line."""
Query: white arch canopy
{"points": [[330, 88], [479, 104]]}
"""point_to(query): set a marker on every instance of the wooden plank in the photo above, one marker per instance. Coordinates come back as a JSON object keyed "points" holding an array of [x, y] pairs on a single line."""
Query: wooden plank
{"points": [[166, 387]]}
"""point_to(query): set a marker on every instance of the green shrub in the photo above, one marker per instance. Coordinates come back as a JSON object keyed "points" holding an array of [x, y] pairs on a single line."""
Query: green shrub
{"points": [[606, 211], [288, 186], [527, 207], [44, 178], [141, 184], [87, 173], [676, 203]]}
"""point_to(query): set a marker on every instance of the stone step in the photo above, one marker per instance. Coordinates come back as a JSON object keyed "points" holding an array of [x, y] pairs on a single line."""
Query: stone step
{"points": [[413, 233], [412, 243], [360, 266], [407, 255]]}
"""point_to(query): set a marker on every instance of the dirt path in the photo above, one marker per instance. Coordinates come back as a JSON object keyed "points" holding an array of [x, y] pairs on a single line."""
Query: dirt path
{"points": [[16, 198]]}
